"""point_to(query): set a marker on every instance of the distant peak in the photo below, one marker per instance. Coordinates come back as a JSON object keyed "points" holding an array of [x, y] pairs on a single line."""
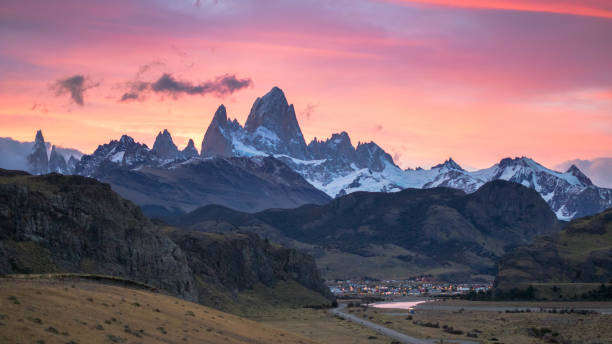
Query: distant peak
{"points": [[221, 114], [519, 161], [125, 139], [165, 134], [450, 164], [39, 136], [575, 171], [53, 149], [276, 90], [190, 150], [340, 137]]}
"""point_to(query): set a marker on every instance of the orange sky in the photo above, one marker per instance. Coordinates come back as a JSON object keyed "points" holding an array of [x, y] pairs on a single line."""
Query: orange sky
{"points": [[425, 80]]}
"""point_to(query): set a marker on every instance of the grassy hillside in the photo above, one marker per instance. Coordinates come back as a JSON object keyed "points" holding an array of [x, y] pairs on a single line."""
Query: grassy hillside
{"points": [[566, 265], [80, 311]]}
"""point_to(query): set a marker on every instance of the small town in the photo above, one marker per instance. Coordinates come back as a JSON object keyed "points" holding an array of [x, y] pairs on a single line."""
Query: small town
{"points": [[420, 286]]}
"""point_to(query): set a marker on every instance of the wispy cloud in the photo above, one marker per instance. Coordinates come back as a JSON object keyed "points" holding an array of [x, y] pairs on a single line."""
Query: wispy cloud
{"points": [[169, 85], [75, 86]]}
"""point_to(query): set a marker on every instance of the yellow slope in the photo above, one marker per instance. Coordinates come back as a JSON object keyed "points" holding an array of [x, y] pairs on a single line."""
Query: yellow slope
{"points": [[53, 311]]}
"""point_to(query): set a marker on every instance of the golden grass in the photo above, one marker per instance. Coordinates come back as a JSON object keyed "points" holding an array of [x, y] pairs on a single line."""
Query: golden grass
{"points": [[322, 327], [500, 327], [79, 311]]}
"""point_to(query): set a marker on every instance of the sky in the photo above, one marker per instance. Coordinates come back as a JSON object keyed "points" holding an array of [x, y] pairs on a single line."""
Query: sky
{"points": [[424, 79]]}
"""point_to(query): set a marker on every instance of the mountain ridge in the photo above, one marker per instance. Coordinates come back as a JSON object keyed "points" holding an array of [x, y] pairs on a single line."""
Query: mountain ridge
{"points": [[442, 231], [334, 165]]}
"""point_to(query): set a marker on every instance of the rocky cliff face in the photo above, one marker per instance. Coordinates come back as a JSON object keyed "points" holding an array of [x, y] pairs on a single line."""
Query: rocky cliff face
{"points": [[38, 162], [56, 223], [272, 125], [218, 137], [238, 261]]}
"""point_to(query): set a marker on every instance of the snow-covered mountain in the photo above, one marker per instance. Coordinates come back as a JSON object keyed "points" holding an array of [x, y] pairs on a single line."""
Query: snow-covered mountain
{"points": [[334, 165], [337, 167]]}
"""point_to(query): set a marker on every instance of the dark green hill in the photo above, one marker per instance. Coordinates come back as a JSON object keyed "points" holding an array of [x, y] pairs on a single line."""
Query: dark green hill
{"points": [[441, 231], [568, 264]]}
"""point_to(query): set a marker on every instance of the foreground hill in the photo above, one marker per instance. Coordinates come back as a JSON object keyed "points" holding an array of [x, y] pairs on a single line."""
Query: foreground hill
{"points": [[441, 231], [55, 223], [78, 311], [571, 262]]}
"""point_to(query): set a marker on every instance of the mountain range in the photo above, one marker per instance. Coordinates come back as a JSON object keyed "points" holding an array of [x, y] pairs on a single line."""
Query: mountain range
{"points": [[334, 166], [438, 231]]}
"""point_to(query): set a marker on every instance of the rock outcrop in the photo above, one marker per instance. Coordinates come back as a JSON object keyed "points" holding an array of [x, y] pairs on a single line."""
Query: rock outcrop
{"points": [[164, 146], [236, 262], [57, 163], [56, 223], [38, 162]]}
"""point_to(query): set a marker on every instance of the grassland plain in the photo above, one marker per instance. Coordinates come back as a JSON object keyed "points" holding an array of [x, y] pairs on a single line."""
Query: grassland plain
{"points": [[80, 311], [321, 326], [499, 327]]}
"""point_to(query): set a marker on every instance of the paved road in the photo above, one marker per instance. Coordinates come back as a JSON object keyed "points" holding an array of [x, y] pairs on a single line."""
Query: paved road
{"points": [[402, 338]]}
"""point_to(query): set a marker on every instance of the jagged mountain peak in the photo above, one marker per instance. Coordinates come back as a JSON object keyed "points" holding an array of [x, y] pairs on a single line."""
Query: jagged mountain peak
{"points": [[190, 151], [271, 110], [218, 137], [370, 155], [39, 137], [449, 164], [125, 139], [519, 161], [273, 127], [220, 117], [38, 161], [164, 146], [338, 146], [57, 163], [575, 171]]}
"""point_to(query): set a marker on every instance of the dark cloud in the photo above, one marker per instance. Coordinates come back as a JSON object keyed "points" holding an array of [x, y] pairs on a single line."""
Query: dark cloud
{"points": [[75, 85], [129, 96], [167, 84]]}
